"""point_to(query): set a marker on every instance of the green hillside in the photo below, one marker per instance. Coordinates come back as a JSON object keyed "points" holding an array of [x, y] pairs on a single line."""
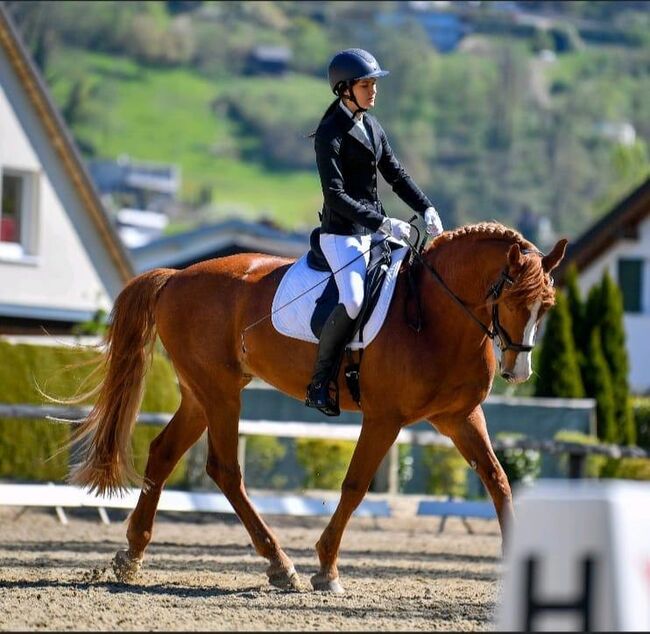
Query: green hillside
{"points": [[167, 115], [521, 120]]}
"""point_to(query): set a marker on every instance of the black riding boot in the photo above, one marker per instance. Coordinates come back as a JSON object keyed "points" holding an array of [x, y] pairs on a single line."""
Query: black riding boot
{"points": [[335, 334]]}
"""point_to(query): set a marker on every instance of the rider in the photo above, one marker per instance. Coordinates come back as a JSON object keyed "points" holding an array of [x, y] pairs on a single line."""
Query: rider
{"points": [[350, 147]]}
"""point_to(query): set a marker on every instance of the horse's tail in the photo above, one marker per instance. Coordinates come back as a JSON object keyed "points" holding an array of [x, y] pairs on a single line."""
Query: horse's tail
{"points": [[105, 434]]}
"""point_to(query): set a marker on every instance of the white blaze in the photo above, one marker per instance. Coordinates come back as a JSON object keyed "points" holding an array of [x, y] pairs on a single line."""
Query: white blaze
{"points": [[523, 369]]}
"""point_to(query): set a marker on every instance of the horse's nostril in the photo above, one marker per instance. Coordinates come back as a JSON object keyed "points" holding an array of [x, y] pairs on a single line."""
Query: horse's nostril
{"points": [[507, 375]]}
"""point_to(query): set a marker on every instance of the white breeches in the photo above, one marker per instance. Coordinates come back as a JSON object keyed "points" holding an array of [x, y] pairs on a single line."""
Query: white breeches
{"points": [[338, 251]]}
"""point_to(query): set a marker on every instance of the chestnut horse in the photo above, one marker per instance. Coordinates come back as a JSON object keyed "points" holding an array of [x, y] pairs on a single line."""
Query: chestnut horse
{"points": [[441, 374]]}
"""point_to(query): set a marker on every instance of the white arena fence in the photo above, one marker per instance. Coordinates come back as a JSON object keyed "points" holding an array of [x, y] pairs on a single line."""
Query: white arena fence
{"points": [[60, 496]]}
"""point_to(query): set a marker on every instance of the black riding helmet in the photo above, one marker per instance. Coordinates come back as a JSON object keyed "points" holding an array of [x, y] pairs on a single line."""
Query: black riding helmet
{"points": [[351, 65]]}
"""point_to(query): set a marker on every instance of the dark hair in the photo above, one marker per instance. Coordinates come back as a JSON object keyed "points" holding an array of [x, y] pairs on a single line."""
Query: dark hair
{"points": [[327, 113]]}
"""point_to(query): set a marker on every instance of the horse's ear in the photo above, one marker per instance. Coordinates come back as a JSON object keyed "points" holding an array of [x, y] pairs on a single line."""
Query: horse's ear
{"points": [[514, 256], [550, 261]]}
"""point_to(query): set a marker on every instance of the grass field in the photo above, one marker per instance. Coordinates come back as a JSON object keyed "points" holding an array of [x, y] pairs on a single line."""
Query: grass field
{"points": [[166, 115]]}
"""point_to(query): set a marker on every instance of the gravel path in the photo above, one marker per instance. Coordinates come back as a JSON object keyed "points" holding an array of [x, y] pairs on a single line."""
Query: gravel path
{"points": [[201, 573]]}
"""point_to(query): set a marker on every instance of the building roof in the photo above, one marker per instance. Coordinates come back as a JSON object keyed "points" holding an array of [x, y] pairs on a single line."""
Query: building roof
{"points": [[221, 238], [61, 140], [621, 222]]}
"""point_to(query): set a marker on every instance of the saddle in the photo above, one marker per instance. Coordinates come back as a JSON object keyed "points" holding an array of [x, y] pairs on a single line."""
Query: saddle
{"points": [[307, 294], [380, 260]]}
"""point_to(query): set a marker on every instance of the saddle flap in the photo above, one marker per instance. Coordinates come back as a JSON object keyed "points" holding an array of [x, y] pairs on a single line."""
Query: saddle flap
{"points": [[300, 294]]}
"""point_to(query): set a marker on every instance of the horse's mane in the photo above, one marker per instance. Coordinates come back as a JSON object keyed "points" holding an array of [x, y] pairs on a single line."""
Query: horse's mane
{"points": [[532, 283], [483, 230]]}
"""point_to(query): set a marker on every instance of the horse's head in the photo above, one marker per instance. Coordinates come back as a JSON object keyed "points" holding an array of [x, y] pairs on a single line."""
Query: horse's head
{"points": [[520, 297]]}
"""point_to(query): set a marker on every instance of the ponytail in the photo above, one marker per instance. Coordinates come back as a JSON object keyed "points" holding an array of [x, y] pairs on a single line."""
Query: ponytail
{"points": [[328, 112]]}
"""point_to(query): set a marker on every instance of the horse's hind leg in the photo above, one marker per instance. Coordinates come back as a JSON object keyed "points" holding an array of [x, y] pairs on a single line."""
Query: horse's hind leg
{"points": [[223, 468], [184, 429]]}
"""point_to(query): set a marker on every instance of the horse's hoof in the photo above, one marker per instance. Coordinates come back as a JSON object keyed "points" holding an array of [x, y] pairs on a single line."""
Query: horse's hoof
{"points": [[125, 567], [285, 579], [322, 584]]}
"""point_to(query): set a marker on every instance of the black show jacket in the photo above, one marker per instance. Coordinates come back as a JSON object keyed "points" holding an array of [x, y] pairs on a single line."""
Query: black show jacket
{"points": [[347, 165]]}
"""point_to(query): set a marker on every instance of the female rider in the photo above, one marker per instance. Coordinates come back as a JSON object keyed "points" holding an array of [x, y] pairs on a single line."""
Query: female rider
{"points": [[350, 147]]}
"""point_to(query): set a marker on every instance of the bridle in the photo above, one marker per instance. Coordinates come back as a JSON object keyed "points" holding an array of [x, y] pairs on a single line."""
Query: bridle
{"points": [[497, 332], [504, 340]]}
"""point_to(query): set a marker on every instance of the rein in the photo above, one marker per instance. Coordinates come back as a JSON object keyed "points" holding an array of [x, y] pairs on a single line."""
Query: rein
{"points": [[498, 331]]}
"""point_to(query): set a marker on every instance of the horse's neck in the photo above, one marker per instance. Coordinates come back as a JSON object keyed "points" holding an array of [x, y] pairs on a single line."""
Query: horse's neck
{"points": [[468, 267]]}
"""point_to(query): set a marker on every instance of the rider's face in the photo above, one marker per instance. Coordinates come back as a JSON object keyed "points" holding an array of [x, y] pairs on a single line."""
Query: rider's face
{"points": [[365, 90]]}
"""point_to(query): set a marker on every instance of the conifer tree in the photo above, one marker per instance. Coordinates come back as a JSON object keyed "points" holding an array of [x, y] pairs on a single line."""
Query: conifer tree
{"points": [[612, 336], [577, 312], [592, 315], [558, 372], [598, 385]]}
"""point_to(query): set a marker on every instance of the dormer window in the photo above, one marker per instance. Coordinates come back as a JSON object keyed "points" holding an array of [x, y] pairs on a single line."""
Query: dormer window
{"points": [[17, 214]]}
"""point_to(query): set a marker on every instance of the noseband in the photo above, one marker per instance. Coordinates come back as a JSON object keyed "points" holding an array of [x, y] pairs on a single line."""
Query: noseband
{"points": [[497, 332]]}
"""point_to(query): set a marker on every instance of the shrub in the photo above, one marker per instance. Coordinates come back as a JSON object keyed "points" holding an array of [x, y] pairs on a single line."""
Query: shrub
{"points": [[632, 469], [520, 465], [594, 463], [31, 449], [262, 456], [641, 408], [325, 461], [447, 471]]}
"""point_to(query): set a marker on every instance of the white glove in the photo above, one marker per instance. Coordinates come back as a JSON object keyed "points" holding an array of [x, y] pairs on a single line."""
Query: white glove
{"points": [[434, 224], [396, 228]]}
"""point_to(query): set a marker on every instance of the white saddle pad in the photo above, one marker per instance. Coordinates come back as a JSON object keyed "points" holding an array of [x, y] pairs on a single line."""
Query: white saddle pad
{"points": [[293, 304]]}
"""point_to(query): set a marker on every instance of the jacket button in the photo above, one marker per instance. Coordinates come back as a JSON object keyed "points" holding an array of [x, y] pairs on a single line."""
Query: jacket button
{"points": [[374, 190], [372, 163], [374, 177]]}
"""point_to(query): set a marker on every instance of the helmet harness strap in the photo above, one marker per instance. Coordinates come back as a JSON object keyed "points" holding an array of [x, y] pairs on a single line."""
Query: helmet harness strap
{"points": [[345, 91]]}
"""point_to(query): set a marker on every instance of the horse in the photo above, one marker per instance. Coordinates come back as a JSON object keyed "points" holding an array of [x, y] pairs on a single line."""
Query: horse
{"points": [[470, 278]]}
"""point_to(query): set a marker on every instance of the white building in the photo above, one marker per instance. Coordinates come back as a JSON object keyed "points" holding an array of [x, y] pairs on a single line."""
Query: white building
{"points": [[60, 258], [620, 242]]}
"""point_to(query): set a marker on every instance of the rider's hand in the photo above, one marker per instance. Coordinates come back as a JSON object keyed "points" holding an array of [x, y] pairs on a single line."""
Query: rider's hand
{"points": [[396, 228], [434, 224]]}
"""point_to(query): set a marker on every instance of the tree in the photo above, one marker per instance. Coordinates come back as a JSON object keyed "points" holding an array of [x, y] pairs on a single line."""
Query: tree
{"points": [[576, 310], [559, 374], [598, 384], [612, 334], [592, 314]]}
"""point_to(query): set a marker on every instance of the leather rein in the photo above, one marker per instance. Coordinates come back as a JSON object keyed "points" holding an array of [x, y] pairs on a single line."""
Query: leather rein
{"points": [[497, 332]]}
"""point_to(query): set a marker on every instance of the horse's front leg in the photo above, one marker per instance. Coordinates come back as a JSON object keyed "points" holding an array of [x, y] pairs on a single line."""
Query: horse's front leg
{"points": [[471, 438], [374, 441]]}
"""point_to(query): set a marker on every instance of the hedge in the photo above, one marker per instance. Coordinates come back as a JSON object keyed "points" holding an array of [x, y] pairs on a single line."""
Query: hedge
{"points": [[641, 409], [30, 450]]}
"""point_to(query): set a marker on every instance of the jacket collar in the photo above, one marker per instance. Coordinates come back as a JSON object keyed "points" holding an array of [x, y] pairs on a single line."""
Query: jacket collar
{"points": [[353, 130]]}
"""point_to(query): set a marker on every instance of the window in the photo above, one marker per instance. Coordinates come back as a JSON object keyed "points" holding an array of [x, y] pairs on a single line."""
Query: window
{"points": [[630, 279], [17, 216]]}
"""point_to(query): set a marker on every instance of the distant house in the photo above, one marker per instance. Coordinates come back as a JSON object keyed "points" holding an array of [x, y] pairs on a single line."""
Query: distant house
{"points": [[60, 257], [138, 184], [216, 240], [620, 242], [268, 60], [445, 29]]}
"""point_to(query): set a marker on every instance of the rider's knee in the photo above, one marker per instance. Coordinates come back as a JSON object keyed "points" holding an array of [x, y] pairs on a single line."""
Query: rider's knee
{"points": [[353, 305]]}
